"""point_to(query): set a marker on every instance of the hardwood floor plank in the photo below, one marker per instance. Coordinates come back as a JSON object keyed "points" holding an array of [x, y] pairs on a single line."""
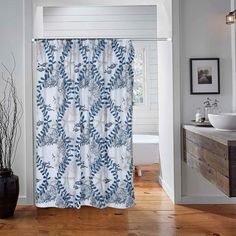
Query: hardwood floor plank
{"points": [[153, 215]]}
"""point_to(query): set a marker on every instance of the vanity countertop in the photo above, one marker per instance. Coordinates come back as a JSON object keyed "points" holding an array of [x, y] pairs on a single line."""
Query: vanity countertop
{"points": [[225, 137]]}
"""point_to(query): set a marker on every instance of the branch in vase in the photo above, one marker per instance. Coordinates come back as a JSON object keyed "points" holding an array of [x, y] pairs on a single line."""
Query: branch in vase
{"points": [[11, 112]]}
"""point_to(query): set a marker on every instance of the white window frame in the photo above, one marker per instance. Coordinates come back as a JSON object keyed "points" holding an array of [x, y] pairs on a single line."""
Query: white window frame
{"points": [[145, 89]]}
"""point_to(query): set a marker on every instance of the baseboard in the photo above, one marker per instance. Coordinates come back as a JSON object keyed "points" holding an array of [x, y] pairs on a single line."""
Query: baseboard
{"points": [[166, 188], [22, 200], [207, 200]]}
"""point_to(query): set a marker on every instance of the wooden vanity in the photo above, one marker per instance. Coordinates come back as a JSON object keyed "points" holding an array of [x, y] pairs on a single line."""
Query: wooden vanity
{"points": [[213, 154]]}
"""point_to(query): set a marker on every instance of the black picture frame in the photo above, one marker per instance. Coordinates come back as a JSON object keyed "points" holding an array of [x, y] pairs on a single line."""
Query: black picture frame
{"points": [[204, 76]]}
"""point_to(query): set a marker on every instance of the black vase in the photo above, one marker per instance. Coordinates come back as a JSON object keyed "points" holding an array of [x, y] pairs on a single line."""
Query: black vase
{"points": [[9, 192]]}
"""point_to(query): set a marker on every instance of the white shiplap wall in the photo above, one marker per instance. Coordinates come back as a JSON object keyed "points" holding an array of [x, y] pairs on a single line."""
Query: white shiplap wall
{"points": [[114, 22], [100, 21]]}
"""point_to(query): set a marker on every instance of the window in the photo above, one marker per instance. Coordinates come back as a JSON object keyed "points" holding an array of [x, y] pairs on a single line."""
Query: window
{"points": [[145, 110], [139, 95]]}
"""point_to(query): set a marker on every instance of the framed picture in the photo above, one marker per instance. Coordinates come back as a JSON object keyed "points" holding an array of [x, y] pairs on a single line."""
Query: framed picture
{"points": [[205, 75]]}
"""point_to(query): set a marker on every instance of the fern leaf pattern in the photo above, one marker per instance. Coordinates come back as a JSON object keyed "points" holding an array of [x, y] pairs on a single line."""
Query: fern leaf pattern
{"points": [[83, 140]]}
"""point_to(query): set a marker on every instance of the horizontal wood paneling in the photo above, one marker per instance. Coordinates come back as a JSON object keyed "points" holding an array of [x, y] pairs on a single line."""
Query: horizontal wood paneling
{"points": [[148, 121], [153, 90], [206, 156], [209, 173], [153, 70], [145, 128], [215, 161], [209, 144], [94, 11], [153, 77], [99, 33], [154, 107], [127, 22], [111, 25], [101, 18], [153, 99], [153, 84], [142, 115]]}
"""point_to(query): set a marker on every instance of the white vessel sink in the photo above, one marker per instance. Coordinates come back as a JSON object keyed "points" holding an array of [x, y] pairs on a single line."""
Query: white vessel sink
{"points": [[223, 121]]}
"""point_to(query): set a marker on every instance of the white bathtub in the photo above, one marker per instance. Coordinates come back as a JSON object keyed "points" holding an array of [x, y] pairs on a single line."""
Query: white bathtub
{"points": [[145, 150]]}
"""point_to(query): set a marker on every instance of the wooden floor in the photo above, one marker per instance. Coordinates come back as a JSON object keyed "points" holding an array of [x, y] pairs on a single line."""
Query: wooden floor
{"points": [[154, 214]]}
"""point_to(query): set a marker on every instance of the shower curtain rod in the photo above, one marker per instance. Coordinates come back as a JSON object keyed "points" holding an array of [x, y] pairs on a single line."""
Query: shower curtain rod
{"points": [[133, 39]]}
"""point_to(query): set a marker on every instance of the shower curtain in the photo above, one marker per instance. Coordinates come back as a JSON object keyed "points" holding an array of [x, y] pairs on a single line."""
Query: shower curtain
{"points": [[83, 132]]}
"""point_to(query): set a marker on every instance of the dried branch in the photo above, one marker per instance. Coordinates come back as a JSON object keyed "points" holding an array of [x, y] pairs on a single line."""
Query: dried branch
{"points": [[11, 111]]}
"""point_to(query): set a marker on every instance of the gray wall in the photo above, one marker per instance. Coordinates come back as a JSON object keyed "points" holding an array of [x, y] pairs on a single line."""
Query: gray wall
{"points": [[203, 33], [12, 41]]}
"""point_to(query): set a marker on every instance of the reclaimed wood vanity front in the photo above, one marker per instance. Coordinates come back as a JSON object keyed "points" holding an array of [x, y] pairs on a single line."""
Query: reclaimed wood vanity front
{"points": [[213, 154]]}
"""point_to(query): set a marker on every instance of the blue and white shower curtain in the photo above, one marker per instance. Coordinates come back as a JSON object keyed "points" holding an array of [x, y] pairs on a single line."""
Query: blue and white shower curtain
{"points": [[84, 123]]}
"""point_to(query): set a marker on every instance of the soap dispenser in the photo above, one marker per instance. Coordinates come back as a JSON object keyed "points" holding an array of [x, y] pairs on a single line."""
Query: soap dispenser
{"points": [[198, 115]]}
